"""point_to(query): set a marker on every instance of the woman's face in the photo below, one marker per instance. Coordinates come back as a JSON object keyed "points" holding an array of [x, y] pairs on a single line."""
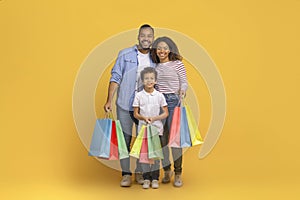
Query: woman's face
{"points": [[162, 51]]}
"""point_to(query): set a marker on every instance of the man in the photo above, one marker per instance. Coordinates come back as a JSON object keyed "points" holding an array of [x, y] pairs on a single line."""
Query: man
{"points": [[125, 79]]}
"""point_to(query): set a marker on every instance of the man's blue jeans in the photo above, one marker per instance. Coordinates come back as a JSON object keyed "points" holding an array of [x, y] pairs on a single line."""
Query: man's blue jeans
{"points": [[127, 120]]}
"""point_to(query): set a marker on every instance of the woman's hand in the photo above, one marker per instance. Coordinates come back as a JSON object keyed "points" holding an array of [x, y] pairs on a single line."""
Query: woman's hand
{"points": [[182, 93]]}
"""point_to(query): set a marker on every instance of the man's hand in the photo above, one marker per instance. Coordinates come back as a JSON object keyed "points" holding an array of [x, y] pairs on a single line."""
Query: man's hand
{"points": [[107, 107]]}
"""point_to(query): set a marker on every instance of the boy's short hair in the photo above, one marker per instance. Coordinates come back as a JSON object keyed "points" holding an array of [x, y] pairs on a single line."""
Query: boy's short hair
{"points": [[147, 70]]}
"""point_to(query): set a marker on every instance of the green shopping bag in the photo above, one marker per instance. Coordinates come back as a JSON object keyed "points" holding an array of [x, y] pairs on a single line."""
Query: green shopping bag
{"points": [[154, 145], [123, 152], [136, 148]]}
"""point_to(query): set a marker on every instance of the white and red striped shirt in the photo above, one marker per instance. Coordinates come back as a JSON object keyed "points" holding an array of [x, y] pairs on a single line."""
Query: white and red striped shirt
{"points": [[171, 77]]}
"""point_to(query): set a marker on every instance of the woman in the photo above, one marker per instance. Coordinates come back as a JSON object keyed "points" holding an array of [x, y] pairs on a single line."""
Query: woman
{"points": [[171, 81]]}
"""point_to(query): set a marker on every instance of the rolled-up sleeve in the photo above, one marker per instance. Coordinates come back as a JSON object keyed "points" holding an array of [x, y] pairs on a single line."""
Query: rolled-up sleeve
{"points": [[116, 72]]}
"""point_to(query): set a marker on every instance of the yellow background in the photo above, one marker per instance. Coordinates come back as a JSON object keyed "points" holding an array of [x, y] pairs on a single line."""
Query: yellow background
{"points": [[255, 45]]}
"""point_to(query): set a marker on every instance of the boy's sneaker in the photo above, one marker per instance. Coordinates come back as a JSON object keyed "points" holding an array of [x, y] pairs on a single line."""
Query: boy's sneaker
{"points": [[126, 181], [146, 184], [155, 184], [178, 181], [167, 177], [139, 178]]}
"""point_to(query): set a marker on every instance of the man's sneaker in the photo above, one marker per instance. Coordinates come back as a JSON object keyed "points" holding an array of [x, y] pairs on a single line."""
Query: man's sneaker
{"points": [[126, 181], [139, 178], [167, 177], [146, 184], [155, 184], [178, 181]]}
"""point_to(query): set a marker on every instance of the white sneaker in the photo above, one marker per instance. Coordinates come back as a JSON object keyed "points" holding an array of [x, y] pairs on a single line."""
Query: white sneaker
{"points": [[155, 184], [178, 181], [139, 178], [146, 184], [126, 181]]}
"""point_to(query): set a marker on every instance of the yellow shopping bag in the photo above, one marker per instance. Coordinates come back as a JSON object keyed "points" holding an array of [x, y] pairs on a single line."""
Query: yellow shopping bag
{"points": [[136, 148], [193, 127]]}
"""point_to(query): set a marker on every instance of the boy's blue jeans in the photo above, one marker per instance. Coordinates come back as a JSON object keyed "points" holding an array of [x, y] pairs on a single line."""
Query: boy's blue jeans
{"points": [[151, 171], [172, 101]]}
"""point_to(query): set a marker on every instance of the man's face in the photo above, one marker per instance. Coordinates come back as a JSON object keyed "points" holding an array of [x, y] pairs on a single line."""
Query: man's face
{"points": [[145, 38]]}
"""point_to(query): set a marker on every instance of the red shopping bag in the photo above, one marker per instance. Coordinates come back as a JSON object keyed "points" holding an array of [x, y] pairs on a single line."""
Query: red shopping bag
{"points": [[114, 152], [174, 137], [144, 158]]}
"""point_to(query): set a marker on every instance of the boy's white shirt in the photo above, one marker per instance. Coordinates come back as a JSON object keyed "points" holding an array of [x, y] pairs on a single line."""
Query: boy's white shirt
{"points": [[150, 104]]}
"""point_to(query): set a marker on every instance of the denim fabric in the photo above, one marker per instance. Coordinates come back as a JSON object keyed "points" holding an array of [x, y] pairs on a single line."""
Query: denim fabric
{"points": [[172, 101], [125, 118], [124, 73], [151, 172]]}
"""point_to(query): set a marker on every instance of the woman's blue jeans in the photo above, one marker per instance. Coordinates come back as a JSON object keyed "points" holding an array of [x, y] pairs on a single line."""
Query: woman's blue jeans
{"points": [[172, 101]]}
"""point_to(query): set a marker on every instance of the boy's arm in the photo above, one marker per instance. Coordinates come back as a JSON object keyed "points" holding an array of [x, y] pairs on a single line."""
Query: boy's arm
{"points": [[163, 115], [136, 114]]}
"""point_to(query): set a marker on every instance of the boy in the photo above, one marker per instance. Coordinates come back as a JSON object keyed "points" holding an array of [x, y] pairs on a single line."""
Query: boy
{"points": [[147, 106]]}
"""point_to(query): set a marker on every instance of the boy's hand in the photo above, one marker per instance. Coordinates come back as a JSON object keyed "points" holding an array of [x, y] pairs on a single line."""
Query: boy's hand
{"points": [[148, 120]]}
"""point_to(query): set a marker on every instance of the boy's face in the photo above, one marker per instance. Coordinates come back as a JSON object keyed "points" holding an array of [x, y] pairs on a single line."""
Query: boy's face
{"points": [[149, 80]]}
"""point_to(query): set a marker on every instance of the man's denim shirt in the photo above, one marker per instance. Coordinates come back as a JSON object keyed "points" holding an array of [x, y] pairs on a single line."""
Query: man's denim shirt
{"points": [[124, 73]]}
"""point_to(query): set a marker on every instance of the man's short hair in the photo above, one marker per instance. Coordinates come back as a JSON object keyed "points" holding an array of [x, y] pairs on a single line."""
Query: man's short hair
{"points": [[146, 26]]}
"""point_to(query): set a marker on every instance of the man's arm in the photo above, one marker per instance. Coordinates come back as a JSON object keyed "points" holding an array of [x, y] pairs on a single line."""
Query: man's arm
{"points": [[111, 92]]}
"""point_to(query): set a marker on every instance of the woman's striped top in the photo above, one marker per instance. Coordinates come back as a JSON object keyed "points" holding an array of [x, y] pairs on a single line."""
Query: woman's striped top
{"points": [[171, 77]]}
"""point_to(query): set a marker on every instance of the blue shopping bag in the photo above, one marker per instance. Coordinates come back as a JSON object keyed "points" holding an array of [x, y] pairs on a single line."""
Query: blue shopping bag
{"points": [[100, 143], [185, 138]]}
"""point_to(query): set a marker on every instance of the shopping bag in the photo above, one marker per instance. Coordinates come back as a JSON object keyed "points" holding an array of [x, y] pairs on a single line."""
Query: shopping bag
{"points": [[114, 153], [174, 137], [122, 148], [136, 148], [193, 127], [154, 145], [185, 139], [144, 149], [100, 143]]}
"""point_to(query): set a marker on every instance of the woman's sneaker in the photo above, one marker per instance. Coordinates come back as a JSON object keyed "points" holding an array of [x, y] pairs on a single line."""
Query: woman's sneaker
{"points": [[146, 184], [178, 181], [155, 184]]}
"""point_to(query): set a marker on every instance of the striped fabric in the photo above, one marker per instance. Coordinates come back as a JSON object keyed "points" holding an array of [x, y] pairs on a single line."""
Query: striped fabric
{"points": [[171, 77]]}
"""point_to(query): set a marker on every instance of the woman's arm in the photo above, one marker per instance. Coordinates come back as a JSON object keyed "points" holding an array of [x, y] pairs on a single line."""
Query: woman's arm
{"points": [[181, 71]]}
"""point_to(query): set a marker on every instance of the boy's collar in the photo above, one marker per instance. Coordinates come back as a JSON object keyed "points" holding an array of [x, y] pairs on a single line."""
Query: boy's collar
{"points": [[152, 93]]}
